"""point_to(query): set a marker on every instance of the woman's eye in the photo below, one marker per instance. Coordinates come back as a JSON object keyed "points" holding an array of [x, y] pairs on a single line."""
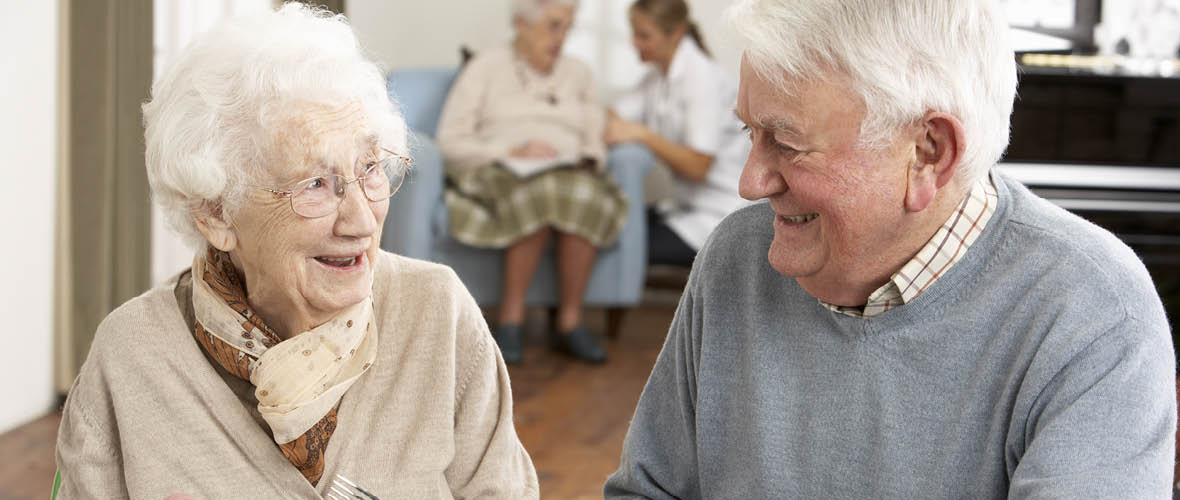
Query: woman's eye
{"points": [[317, 183]]}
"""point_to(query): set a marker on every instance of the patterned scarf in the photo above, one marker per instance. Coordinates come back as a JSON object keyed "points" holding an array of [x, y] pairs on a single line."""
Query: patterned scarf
{"points": [[299, 381]]}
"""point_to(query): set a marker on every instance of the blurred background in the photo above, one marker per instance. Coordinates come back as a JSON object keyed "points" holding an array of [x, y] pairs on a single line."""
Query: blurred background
{"points": [[1096, 129]]}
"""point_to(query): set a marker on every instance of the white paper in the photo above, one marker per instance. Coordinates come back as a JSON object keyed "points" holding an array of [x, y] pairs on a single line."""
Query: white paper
{"points": [[524, 167]]}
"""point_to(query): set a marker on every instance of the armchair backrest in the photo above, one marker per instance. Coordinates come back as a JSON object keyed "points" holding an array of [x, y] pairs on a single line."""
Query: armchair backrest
{"points": [[421, 93]]}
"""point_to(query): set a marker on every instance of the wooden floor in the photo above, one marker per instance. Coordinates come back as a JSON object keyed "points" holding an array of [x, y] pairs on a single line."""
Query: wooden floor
{"points": [[570, 416]]}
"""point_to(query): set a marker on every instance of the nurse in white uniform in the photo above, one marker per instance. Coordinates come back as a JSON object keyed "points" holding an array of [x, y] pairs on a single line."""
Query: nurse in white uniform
{"points": [[682, 111]]}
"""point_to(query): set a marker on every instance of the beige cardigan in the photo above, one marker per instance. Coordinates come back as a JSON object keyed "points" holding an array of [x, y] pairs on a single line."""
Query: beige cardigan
{"points": [[498, 103], [149, 415]]}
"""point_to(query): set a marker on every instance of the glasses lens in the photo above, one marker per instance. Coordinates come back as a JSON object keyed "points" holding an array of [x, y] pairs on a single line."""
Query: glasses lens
{"points": [[385, 177], [316, 197]]}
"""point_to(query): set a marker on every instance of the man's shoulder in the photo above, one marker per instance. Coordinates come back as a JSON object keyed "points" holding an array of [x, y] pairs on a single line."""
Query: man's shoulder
{"points": [[744, 232], [1049, 256], [733, 261], [1094, 258]]}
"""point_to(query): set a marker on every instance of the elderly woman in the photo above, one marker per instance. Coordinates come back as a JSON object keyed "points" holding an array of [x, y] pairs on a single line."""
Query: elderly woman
{"points": [[295, 359], [526, 104]]}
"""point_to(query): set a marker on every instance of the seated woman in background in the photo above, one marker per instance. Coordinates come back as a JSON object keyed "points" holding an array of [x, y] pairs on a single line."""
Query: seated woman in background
{"points": [[682, 111], [527, 104], [295, 359]]}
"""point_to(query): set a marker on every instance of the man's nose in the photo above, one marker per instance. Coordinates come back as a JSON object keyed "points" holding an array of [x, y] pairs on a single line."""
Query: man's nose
{"points": [[760, 178]]}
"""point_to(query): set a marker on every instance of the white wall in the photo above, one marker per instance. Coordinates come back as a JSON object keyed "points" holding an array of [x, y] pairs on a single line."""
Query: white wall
{"points": [[28, 153], [407, 34]]}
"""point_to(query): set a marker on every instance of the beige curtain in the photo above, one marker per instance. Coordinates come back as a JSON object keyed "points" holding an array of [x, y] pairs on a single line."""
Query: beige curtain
{"points": [[104, 211]]}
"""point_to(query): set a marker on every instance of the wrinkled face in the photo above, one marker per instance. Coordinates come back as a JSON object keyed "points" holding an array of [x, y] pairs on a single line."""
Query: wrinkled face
{"points": [[837, 207], [652, 43], [541, 39], [311, 268]]}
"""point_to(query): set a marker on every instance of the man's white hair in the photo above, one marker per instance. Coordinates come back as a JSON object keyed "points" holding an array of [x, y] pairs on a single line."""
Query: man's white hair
{"points": [[529, 10], [210, 126], [902, 58]]}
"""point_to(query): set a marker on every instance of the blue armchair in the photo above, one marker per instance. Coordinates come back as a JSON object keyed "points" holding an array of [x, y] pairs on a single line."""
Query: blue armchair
{"points": [[417, 225]]}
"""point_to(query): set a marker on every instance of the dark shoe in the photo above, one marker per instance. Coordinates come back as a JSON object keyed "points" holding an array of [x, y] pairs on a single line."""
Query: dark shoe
{"points": [[511, 347], [579, 343]]}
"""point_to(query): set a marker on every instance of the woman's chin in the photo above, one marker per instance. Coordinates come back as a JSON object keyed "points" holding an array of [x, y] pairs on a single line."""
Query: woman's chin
{"points": [[338, 287], [334, 301]]}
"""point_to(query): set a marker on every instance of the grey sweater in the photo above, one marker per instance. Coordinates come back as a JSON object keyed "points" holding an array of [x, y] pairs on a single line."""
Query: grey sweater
{"points": [[1039, 366]]}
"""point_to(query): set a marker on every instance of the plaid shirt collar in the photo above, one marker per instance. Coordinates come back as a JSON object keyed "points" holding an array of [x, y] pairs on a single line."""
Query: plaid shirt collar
{"points": [[943, 250]]}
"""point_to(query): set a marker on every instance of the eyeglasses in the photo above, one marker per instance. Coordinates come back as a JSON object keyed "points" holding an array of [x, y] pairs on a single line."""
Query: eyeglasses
{"points": [[321, 196]]}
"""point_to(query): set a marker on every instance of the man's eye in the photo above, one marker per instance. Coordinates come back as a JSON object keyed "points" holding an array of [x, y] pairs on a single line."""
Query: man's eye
{"points": [[784, 148], [749, 133]]}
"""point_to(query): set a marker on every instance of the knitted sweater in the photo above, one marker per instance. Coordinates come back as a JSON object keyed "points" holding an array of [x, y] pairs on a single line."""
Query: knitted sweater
{"points": [[149, 415], [1039, 366]]}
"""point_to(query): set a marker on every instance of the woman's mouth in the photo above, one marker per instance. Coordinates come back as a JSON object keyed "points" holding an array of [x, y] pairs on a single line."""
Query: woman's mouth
{"points": [[341, 262]]}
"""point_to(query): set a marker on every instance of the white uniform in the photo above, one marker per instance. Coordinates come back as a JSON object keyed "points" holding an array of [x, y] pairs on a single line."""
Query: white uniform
{"points": [[693, 106]]}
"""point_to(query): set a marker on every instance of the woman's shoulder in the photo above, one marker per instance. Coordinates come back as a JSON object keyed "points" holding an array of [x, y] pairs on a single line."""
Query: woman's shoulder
{"points": [[140, 332], [574, 66], [488, 59], [401, 276], [426, 296], [150, 310]]}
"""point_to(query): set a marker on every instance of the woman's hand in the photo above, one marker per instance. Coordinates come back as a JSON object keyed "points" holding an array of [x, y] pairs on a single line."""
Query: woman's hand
{"points": [[533, 149], [619, 130]]}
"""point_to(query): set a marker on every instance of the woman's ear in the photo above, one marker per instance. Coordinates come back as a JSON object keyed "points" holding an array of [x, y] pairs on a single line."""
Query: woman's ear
{"points": [[214, 225], [938, 152]]}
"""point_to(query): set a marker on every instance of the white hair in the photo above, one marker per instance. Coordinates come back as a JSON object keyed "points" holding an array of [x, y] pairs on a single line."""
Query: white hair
{"points": [[529, 10], [210, 123], [902, 58]]}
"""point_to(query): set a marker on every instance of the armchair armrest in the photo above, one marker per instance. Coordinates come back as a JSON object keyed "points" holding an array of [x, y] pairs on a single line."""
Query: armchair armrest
{"points": [[408, 227], [628, 164]]}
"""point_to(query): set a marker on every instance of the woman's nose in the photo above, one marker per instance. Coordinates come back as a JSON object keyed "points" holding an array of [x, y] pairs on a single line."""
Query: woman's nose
{"points": [[355, 215]]}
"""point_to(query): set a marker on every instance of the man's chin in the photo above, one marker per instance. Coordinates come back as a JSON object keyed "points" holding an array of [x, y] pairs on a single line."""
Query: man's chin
{"points": [[788, 263]]}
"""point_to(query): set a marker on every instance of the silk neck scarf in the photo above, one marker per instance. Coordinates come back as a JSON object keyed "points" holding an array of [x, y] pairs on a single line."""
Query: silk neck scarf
{"points": [[299, 381]]}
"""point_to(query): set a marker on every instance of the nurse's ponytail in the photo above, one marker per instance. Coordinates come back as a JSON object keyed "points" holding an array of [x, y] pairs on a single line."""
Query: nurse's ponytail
{"points": [[669, 15], [695, 33]]}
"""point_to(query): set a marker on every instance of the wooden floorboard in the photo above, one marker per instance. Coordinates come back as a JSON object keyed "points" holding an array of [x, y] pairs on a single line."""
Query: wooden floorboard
{"points": [[27, 457], [571, 416]]}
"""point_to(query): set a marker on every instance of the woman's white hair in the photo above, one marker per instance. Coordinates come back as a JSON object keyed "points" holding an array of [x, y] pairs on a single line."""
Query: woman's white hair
{"points": [[210, 126], [529, 10], [902, 58]]}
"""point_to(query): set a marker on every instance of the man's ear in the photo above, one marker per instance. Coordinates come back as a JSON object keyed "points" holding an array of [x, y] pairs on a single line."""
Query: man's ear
{"points": [[938, 152], [214, 225]]}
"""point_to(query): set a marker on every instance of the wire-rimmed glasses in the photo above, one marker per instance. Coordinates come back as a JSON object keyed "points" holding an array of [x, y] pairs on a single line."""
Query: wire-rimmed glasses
{"points": [[321, 196]]}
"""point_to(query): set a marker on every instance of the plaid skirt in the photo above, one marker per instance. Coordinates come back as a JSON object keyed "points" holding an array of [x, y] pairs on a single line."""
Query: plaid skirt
{"points": [[490, 207]]}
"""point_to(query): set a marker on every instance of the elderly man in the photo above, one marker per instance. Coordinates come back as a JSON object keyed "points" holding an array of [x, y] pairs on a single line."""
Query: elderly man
{"points": [[899, 321]]}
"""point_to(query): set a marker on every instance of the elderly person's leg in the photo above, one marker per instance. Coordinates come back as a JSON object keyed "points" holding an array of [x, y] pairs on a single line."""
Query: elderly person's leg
{"points": [[575, 260], [520, 262]]}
